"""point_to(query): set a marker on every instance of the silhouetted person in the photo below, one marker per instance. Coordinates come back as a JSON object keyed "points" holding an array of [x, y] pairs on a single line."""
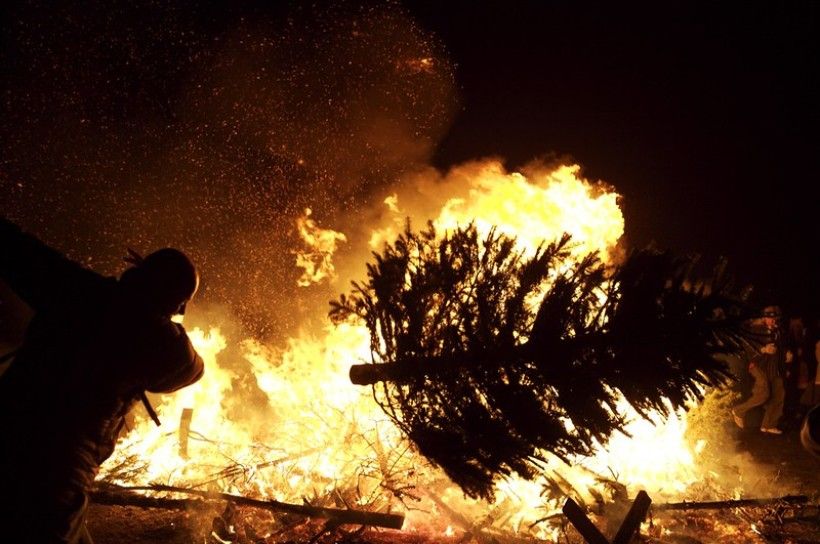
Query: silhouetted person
{"points": [[810, 431], [768, 369], [94, 346]]}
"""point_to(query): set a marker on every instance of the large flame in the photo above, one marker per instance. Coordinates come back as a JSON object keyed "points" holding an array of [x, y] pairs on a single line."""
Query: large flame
{"points": [[307, 432]]}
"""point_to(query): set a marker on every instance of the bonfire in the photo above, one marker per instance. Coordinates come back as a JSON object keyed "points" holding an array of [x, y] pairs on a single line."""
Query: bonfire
{"points": [[470, 428]]}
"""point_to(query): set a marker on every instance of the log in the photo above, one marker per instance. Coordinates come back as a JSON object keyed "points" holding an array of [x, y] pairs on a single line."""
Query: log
{"points": [[110, 497], [576, 515], [633, 519], [111, 493], [739, 503], [592, 535]]}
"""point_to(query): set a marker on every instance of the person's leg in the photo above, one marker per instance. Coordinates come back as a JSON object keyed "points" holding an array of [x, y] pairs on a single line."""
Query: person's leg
{"points": [[760, 393], [774, 406]]}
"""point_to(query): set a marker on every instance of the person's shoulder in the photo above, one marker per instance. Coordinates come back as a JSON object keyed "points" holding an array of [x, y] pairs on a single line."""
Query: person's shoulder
{"points": [[178, 364]]}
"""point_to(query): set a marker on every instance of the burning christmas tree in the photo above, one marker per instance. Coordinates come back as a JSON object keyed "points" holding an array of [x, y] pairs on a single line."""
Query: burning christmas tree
{"points": [[487, 357]]}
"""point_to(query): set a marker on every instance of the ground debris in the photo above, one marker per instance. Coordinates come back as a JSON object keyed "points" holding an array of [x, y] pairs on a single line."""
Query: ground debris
{"points": [[750, 525], [797, 524]]}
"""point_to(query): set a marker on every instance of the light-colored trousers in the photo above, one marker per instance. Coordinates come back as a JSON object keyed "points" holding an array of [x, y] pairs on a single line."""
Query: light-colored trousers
{"points": [[768, 392]]}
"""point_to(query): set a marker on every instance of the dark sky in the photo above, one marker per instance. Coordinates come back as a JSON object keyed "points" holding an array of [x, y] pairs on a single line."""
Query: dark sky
{"points": [[703, 117]]}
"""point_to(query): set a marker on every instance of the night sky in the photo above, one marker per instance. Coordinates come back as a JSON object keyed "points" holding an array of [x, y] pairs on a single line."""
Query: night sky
{"points": [[211, 128], [704, 118]]}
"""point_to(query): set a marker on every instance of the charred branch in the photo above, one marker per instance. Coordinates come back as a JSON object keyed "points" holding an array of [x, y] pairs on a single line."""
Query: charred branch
{"points": [[114, 496], [129, 496], [739, 503], [184, 431]]}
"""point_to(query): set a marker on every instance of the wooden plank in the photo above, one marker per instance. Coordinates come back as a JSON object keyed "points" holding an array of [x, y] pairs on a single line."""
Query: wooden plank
{"points": [[333, 515], [632, 521], [576, 515]]}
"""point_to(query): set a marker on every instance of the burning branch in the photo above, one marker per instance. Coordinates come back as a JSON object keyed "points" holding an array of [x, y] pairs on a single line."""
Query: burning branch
{"points": [[738, 503], [237, 470], [111, 494], [486, 357]]}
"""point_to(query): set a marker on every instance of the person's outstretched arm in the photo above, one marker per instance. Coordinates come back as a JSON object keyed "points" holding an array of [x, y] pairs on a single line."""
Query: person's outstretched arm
{"points": [[170, 362], [39, 274]]}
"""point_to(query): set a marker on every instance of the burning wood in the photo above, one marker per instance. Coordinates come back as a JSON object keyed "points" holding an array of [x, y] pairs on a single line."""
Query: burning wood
{"points": [[580, 521], [737, 503], [120, 496], [640, 507], [633, 519], [363, 461], [128, 496], [184, 430], [626, 531], [236, 470], [487, 357]]}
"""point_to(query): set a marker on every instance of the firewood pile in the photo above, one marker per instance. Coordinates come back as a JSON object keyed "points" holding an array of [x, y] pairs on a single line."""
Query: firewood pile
{"points": [[482, 387], [168, 514], [121, 515]]}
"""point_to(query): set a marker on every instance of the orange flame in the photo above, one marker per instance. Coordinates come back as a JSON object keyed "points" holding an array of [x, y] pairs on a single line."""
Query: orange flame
{"points": [[312, 433], [317, 259]]}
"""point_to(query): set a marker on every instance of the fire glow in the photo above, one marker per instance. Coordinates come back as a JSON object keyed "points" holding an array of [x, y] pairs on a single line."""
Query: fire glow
{"points": [[311, 433]]}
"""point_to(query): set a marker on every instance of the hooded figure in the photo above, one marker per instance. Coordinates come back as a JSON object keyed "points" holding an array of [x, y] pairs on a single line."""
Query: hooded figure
{"points": [[92, 349]]}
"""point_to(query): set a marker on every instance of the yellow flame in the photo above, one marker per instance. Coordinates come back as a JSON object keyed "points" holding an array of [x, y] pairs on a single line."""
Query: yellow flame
{"points": [[538, 209], [317, 259], [308, 432]]}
